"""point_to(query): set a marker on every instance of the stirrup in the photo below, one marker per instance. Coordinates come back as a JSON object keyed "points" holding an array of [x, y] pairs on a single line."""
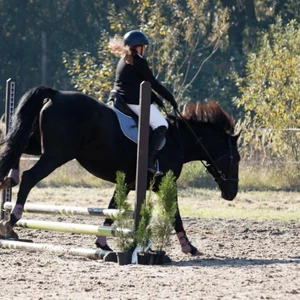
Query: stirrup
{"points": [[155, 169]]}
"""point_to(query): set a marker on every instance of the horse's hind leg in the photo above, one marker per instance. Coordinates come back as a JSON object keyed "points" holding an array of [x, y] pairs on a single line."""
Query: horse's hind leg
{"points": [[13, 177], [45, 166], [101, 241]]}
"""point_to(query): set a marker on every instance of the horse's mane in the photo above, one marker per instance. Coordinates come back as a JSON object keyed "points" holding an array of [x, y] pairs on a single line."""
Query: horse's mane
{"points": [[209, 112]]}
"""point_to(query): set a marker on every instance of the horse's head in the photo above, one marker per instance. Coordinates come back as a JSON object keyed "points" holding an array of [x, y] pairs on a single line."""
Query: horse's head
{"points": [[216, 144], [223, 165]]}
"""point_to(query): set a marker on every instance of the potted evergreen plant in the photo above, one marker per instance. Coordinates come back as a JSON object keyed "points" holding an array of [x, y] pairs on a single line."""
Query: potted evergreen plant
{"points": [[123, 220], [163, 219], [144, 232]]}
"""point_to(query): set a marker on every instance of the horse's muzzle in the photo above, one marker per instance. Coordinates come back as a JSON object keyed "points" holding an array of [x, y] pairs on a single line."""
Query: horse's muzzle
{"points": [[229, 196]]}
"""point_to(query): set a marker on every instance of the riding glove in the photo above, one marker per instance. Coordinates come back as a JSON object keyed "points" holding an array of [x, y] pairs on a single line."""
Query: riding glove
{"points": [[159, 102], [173, 103]]}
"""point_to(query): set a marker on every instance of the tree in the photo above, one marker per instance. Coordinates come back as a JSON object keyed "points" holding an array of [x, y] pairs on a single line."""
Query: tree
{"points": [[34, 35], [271, 94], [64, 25], [182, 38]]}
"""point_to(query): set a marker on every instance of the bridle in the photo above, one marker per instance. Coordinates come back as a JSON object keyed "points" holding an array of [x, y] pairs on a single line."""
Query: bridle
{"points": [[212, 166], [221, 176]]}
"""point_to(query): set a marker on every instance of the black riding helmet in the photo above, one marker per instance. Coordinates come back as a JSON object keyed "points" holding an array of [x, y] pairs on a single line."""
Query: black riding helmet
{"points": [[134, 38]]}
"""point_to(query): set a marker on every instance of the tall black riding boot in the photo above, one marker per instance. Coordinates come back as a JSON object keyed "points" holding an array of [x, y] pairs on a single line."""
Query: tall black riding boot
{"points": [[157, 137]]}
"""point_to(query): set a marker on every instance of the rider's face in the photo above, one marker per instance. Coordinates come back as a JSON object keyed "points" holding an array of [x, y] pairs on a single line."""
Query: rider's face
{"points": [[141, 49]]}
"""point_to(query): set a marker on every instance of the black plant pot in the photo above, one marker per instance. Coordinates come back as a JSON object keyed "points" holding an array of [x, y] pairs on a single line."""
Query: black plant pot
{"points": [[157, 257], [124, 258], [143, 258]]}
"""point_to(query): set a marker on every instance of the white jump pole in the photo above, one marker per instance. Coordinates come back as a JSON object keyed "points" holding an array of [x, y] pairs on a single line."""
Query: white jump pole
{"points": [[71, 227], [89, 253], [67, 211]]}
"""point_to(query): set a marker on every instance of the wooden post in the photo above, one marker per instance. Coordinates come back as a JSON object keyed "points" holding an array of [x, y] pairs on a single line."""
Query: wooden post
{"points": [[142, 150], [9, 110]]}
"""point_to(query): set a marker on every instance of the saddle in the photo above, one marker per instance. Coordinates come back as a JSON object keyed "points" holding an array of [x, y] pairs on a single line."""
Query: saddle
{"points": [[128, 120]]}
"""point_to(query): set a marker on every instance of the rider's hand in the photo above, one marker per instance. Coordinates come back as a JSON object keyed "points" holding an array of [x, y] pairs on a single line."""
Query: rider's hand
{"points": [[174, 103], [159, 102]]}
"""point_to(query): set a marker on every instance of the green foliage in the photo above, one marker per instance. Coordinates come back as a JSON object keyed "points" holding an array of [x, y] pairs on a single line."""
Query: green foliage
{"points": [[66, 25], [144, 231], [121, 192], [269, 177], [161, 232], [270, 92], [182, 39], [183, 35], [123, 220], [91, 75], [163, 220], [167, 196], [195, 175]]}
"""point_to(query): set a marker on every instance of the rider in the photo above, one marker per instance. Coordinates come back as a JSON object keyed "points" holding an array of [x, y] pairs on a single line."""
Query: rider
{"points": [[132, 70]]}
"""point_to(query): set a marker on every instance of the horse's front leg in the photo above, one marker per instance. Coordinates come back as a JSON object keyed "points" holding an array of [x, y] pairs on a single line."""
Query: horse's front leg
{"points": [[185, 244]]}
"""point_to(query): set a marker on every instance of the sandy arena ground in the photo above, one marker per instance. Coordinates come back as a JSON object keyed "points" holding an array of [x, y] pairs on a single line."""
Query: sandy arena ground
{"points": [[241, 259]]}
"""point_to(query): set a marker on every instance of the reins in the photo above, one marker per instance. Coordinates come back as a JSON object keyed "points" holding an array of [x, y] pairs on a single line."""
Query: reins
{"points": [[212, 164]]}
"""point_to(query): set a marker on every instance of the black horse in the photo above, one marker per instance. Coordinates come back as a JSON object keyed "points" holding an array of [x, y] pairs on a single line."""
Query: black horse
{"points": [[61, 126]]}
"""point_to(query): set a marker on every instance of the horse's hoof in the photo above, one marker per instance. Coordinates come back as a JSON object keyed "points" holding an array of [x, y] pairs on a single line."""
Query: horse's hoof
{"points": [[194, 251], [105, 247], [6, 228], [12, 236], [190, 249], [8, 183]]}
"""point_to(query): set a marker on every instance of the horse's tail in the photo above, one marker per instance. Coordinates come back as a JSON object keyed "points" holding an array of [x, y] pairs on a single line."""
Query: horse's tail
{"points": [[23, 120]]}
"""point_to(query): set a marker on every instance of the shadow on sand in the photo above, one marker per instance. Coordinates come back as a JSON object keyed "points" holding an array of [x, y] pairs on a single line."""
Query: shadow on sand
{"points": [[235, 262]]}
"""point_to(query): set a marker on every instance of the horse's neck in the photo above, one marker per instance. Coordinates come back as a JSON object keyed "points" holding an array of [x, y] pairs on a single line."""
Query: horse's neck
{"points": [[192, 145]]}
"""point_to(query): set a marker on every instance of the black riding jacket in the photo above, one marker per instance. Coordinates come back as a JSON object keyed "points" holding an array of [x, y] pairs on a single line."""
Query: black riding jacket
{"points": [[129, 77]]}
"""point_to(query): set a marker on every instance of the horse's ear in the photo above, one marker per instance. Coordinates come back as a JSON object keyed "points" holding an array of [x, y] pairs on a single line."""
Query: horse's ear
{"points": [[189, 110]]}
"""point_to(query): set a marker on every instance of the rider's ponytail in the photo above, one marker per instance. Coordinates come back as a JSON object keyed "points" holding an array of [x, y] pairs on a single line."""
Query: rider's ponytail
{"points": [[117, 47]]}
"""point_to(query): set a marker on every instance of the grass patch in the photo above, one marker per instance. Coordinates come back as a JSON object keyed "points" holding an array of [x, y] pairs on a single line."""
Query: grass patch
{"points": [[70, 174], [193, 202], [251, 177], [269, 177], [254, 205], [240, 213]]}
